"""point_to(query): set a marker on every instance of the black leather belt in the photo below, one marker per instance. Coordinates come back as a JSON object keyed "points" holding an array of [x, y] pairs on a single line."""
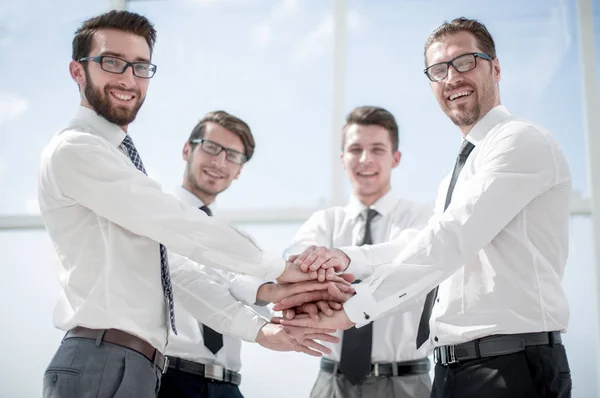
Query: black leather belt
{"points": [[408, 368], [212, 372], [492, 346]]}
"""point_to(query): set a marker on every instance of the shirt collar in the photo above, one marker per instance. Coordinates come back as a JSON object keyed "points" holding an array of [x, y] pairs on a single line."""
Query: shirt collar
{"points": [[188, 198], [100, 126], [383, 205], [495, 116]]}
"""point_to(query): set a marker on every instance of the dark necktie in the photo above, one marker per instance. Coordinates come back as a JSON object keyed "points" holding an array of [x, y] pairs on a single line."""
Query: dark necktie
{"points": [[423, 331], [213, 340], [164, 261], [355, 361]]}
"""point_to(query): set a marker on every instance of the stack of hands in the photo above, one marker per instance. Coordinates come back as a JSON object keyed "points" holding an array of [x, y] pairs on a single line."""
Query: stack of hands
{"points": [[310, 293]]}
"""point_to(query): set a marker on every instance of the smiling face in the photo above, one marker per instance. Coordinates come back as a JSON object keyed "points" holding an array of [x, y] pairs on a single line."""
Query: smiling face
{"points": [[465, 97], [116, 97], [368, 158], [208, 175]]}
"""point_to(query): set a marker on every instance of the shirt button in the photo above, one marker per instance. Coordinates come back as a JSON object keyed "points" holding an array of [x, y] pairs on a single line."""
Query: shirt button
{"points": [[437, 300], [436, 339]]}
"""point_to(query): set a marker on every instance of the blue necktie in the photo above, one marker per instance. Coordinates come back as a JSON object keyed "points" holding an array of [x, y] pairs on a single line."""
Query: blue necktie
{"points": [[164, 261], [423, 330]]}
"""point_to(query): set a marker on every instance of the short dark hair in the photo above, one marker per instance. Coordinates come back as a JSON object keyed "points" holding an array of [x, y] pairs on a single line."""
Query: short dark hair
{"points": [[369, 116], [121, 20], [228, 122], [484, 39]]}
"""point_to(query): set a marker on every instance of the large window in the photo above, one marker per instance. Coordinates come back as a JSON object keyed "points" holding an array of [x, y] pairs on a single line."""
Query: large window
{"points": [[271, 63]]}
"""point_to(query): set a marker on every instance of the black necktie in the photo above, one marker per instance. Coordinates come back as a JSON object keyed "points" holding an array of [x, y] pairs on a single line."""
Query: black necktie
{"points": [[355, 362], [423, 331], [164, 261], [213, 340]]}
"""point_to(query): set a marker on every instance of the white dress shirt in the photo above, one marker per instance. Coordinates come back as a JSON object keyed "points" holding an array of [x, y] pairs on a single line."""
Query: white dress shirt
{"points": [[189, 343], [105, 219], [498, 252], [394, 334]]}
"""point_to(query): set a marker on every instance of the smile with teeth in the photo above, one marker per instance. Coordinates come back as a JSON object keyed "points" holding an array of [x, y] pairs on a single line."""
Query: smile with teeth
{"points": [[122, 97], [213, 174], [366, 173], [459, 95]]}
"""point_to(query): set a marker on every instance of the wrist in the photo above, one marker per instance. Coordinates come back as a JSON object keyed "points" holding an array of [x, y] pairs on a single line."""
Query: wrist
{"points": [[266, 293], [261, 335], [345, 258]]}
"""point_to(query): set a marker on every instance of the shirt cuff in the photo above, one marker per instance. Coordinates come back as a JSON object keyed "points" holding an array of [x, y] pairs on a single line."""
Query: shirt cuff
{"points": [[361, 308], [359, 262], [247, 325], [244, 288], [273, 266]]}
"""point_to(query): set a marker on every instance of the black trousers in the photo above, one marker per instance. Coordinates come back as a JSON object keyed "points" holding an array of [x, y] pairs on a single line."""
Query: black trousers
{"points": [[177, 384], [539, 371]]}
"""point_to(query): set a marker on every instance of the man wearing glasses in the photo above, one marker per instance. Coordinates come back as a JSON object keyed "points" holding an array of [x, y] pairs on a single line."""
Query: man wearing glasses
{"points": [[491, 260], [203, 362], [111, 226]]}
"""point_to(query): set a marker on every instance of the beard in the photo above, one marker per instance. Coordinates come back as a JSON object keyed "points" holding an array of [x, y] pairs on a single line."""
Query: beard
{"points": [[465, 117], [100, 103]]}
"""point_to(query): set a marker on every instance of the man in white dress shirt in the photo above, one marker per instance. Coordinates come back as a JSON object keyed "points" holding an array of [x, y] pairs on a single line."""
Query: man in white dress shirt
{"points": [[378, 360], [111, 226], [497, 245], [204, 363]]}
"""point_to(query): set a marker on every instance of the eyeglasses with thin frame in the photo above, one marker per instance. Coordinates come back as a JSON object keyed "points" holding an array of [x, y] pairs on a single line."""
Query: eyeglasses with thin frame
{"points": [[112, 64], [212, 148], [463, 63]]}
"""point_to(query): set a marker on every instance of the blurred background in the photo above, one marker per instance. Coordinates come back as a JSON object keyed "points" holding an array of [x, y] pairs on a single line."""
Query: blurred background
{"points": [[292, 69]]}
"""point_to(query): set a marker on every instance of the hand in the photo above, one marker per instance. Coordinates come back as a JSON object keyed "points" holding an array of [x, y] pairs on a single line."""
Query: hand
{"points": [[293, 273], [313, 302], [294, 338], [321, 259], [274, 293], [339, 320]]}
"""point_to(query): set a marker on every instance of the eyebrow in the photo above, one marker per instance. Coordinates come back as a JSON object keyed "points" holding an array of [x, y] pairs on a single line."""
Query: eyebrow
{"points": [[119, 55]]}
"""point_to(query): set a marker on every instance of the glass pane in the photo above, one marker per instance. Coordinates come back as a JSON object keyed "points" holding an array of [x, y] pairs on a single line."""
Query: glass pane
{"points": [[37, 95], [537, 45], [269, 63], [35, 289]]}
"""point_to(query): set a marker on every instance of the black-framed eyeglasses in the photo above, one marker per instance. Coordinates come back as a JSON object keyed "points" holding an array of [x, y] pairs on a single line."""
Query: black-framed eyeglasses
{"points": [[462, 63], [212, 148], [112, 64]]}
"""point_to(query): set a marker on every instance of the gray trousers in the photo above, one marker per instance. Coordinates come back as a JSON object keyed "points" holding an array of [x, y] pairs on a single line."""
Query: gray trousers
{"points": [[329, 385], [81, 368]]}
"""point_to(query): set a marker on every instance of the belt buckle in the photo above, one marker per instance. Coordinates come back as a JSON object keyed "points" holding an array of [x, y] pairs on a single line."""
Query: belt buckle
{"points": [[375, 371], [445, 355], [448, 355], [165, 365], [214, 372]]}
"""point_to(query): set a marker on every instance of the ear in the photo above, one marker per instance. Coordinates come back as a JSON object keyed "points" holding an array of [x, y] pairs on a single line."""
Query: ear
{"points": [[237, 175], [342, 160], [186, 152], [496, 69], [77, 73], [397, 156]]}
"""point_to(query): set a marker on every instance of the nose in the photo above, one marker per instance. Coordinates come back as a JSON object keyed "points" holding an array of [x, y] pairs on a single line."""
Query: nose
{"points": [[365, 157], [127, 79], [220, 159], [454, 77]]}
